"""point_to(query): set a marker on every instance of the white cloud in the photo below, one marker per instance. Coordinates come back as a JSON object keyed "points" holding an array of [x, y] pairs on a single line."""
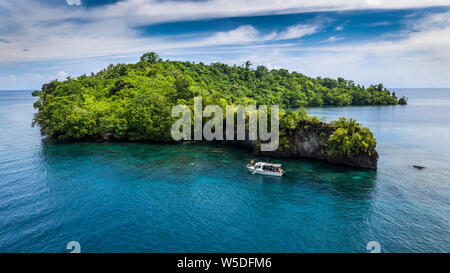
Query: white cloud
{"points": [[12, 77], [247, 33], [73, 2], [421, 59], [377, 24], [141, 12], [374, 2], [297, 31], [270, 67], [334, 39], [242, 34], [61, 75], [151, 11], [72, 41], [110, 31], [28, 81]]}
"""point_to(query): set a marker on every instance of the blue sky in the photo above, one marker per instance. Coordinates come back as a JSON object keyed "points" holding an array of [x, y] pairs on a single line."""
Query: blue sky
{"points": [[401, 43]]}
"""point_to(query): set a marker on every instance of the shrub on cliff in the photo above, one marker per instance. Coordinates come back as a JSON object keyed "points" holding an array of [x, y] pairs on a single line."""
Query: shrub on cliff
{"points": [[350, 138]]}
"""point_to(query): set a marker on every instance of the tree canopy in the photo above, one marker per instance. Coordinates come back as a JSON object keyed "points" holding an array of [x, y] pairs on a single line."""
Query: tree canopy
{"points": [[134, 101]]}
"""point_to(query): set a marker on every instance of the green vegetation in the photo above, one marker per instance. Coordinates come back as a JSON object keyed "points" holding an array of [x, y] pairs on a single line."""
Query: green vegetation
{"points": [[403, 101], [350, 138], [134, 101]]}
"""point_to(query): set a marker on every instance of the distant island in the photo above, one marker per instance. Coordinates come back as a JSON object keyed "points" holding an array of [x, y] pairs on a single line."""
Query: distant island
{"points": [[134, 101]]}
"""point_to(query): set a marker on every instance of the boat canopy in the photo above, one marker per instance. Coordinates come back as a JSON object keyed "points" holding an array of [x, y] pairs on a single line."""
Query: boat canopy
{"points": [[268, 164]]}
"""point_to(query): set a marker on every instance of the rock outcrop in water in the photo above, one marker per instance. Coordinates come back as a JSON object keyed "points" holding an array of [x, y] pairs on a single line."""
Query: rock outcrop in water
{"points": [[310, 140]]}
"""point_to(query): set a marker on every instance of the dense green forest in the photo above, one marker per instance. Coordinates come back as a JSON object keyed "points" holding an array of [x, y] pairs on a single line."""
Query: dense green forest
{"points": [[134, 101]]}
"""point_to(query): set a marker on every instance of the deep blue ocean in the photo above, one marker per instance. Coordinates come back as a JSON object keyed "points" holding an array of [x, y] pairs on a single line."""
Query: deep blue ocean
{"points": [[140, 197]]}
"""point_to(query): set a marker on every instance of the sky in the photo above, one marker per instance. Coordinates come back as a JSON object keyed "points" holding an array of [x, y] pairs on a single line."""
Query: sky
{"points": [[400, 43]]}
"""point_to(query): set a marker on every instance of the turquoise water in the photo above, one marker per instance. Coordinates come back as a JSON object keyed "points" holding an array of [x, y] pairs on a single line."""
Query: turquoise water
{"points": [[136, 197]]}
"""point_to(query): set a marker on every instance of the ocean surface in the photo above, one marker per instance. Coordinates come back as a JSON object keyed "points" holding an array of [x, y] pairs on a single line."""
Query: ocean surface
{"points": [[137, 197]]}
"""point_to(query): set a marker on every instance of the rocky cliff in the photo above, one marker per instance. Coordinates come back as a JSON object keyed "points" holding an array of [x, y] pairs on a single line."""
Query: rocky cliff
{"points": [[310, 140]]}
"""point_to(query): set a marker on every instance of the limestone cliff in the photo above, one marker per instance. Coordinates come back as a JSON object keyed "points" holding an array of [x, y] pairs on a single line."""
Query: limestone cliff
{"points": [[310, 140]]}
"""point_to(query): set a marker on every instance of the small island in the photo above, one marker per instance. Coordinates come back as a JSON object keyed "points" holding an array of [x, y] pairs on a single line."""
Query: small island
{"points": [[133, 102]]}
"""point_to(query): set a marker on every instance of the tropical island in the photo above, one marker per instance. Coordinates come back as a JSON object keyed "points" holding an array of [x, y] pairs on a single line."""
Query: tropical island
{"points": [[133, 102]]}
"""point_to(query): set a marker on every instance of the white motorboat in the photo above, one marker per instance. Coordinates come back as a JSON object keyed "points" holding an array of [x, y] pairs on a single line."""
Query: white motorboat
{"points": [[266, 169]]}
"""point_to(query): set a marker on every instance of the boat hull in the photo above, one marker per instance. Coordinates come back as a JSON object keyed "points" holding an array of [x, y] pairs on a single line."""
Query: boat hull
{"points": [[262, 172]]}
